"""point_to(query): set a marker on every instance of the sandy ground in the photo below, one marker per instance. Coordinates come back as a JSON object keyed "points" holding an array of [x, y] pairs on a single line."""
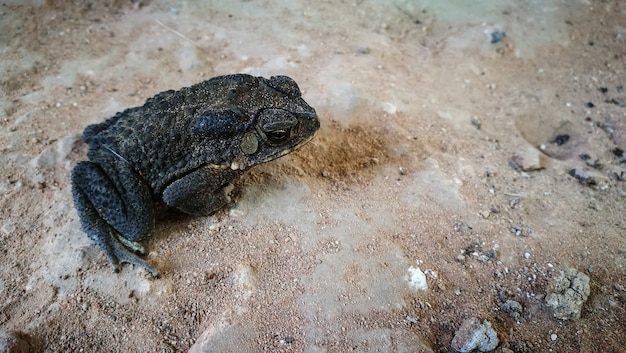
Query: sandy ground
{"points": [[417, 170]]}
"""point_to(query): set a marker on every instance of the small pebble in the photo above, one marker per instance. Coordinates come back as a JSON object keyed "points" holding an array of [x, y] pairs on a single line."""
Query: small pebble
{"points": [[553, 336], [411, 318], [513, 309], [476, 123], [562, 139], [497, 36]]}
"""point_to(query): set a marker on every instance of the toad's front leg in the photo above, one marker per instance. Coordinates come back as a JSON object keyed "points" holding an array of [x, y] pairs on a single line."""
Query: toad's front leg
{"points": [[202, 191], [115, 208]]}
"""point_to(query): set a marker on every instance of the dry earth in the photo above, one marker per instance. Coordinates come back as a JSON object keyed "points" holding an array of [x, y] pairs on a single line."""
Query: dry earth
{"points": [[426, 125]]}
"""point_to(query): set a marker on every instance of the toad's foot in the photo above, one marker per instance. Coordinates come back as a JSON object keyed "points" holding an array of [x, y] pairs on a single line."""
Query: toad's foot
{"points": [[120, 253]]}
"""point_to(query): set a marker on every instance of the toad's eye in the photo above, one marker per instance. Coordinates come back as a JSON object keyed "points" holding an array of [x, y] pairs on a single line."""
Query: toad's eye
{"points": [[278, 136], [277, 125]]}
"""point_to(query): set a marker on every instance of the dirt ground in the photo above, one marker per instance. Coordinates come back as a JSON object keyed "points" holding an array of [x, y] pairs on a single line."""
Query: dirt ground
{"points": [[485, 164]]}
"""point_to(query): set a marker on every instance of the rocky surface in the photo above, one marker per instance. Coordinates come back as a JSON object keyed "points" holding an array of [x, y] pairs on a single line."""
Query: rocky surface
{"points": [[465, 159]]}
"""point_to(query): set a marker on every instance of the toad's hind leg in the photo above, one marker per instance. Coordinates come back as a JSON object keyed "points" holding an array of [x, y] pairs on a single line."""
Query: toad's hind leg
{"points": [[115, 210]]}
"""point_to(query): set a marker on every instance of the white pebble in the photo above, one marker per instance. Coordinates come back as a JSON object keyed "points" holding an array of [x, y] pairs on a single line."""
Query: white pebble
{"points": [[417, 279], [553, 336]]}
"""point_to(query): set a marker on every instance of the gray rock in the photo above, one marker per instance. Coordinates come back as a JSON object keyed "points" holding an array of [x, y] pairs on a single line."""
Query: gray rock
{"points": [[474, 335], [13, 342], [571, 290], [513, 309]]}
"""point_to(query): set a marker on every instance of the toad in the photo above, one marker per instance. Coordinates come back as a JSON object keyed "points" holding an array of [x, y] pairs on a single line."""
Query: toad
{"points": [[182, 148]]}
